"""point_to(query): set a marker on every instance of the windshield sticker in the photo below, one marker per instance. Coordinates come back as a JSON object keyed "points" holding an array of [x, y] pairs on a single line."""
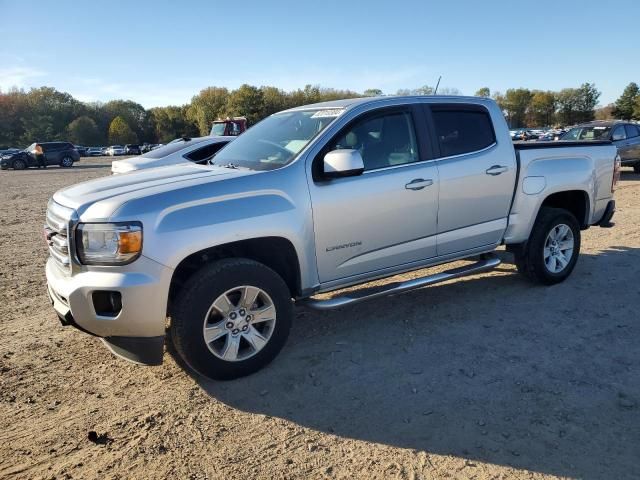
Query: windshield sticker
{"points": [[329, 113], [599, 128]]}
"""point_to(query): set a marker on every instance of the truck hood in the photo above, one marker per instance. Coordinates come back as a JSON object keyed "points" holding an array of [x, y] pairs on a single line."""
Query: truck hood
{"points": [[138, 163], [98, 199]]}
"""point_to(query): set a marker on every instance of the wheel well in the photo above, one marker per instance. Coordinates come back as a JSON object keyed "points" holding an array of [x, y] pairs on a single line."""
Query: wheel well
{"points": [[275, 252], [576, 201]]}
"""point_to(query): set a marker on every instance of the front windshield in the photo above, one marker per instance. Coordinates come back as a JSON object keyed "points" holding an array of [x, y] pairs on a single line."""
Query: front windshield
{"points": [[275, 141], [218, 129], [587, 133]]}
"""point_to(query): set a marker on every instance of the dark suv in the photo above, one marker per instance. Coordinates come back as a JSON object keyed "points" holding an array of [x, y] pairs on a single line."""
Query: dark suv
{"points": [[624, 135], [131, 149], [55, 153]]}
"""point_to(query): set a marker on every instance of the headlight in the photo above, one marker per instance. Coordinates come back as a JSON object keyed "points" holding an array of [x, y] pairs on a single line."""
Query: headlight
{"points": [[108, 243]]}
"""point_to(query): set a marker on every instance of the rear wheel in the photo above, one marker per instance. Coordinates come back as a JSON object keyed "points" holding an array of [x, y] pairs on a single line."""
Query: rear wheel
{"points": [[231, 318], [66, 162], [553, 247], [19, 164]]}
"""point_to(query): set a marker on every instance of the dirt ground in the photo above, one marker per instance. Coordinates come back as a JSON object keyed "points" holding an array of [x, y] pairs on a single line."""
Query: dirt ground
{"points": [[486, 377]]}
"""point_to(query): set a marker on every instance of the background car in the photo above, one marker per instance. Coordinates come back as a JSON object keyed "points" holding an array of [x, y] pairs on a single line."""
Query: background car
{"points": [[624, 135], [94, 152], [81, 150], [115, 150], [132, 149], [198, 150], [63, 154]]}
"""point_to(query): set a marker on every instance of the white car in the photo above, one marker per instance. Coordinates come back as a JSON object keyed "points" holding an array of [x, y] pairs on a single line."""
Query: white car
{"points": [[197, 150], [114, 150]]}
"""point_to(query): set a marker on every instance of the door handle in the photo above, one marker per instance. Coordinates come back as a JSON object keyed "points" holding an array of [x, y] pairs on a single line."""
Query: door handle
{"points": [[418, 184], [496, 170]]}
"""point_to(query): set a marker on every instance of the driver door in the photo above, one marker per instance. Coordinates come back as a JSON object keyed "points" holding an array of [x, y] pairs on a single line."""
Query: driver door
{"points": [[385, 217]]}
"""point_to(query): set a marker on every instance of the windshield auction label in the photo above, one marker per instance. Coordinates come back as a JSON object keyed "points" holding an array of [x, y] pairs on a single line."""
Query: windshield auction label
{"points": [[329, 113]]}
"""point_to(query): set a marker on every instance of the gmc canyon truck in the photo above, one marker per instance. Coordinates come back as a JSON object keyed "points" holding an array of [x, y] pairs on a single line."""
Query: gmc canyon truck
{"points": [[312, 200]]}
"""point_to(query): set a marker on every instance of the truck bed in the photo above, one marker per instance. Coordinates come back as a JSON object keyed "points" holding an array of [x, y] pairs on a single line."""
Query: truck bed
{"points": [[559, 144]]}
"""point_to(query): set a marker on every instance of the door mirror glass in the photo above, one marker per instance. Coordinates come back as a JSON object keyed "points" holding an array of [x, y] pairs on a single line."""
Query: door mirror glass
{"points": [[343, 163]]}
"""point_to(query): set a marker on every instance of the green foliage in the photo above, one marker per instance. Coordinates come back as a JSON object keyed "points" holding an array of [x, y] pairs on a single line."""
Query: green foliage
{"points": [[83, 131], [625, 106], [171, 123], [516, 104], [136, 117], [207, 106], [120, 132], [605, 113], [247, 101], [44, 114], [542, 108], [372, 92]]}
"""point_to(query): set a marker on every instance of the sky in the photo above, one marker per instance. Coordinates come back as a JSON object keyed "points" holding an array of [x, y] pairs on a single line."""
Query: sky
{"points": [[162, 53]]}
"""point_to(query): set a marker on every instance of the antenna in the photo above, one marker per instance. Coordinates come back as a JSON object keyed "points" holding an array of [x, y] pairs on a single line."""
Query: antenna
{"points": [[435, 92]]}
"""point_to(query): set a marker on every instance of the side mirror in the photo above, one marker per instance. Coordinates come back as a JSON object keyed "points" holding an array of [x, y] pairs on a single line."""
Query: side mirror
{"points": [[343, 163]]}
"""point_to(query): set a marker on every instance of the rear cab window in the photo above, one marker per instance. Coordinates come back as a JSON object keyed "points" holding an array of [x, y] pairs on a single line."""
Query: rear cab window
{"points": [[204, 153], [462, 129], [172, 147]]}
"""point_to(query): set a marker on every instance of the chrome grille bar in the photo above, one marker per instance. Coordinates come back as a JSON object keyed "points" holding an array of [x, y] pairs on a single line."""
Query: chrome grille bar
{"points": [[57, 232]]}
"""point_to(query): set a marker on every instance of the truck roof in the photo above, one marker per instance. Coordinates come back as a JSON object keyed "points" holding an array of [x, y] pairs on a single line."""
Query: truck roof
{"points": [[349, 103]]}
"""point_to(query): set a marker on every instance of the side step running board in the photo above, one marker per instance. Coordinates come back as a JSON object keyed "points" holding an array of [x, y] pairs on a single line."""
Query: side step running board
{"points": [[487, 263]]}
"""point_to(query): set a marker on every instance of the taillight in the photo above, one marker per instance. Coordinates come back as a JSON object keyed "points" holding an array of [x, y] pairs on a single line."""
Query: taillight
{"points": [[616, 172]]}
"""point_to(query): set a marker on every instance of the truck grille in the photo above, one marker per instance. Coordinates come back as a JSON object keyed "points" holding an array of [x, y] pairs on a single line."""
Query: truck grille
{"points": [[57, 234]]}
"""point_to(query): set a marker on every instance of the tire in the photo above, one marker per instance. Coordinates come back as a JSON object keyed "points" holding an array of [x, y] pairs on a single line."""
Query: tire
{"points": [[194, 315], [559, 262], [66, 162], [19, 164]]}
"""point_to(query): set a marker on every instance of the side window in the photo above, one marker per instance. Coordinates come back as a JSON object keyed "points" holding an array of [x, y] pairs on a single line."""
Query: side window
{"points": [[383, 141], [572, 134], [618, 133], [632, 131], [204, 153], [462, 130]]}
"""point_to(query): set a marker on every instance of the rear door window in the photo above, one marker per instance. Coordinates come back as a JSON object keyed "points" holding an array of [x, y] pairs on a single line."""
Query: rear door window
{"points": [[632, 131], [462, 129], [619, 133]]}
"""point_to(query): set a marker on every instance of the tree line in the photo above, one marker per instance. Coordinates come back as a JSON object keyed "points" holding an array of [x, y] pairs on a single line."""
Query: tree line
{"points": [[46, 114], [543, 108]]}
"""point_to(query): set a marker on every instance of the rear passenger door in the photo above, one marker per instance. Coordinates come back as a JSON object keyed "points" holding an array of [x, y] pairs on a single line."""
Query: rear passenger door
{"points": [[477, 177], [52, 152], [633, 141]]}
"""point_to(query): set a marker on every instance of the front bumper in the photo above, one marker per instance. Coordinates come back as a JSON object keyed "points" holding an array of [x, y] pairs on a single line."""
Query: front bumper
{"points": [[136, 332]]}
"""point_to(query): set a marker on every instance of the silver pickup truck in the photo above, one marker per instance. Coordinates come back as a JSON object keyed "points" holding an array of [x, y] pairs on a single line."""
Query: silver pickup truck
{"points": [[312, 200]]}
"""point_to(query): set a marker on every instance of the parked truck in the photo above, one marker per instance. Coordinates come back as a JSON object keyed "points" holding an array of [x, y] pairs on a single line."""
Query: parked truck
{"points": [[312, 200], [229, 127]]}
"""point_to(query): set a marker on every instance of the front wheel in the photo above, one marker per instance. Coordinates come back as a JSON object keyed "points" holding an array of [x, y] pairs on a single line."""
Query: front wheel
{"points": [[19, 164], [553, 247], [231, 318]]}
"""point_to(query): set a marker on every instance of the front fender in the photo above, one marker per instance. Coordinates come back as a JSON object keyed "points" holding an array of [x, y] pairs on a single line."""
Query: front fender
{"points": [[181, 222]]}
